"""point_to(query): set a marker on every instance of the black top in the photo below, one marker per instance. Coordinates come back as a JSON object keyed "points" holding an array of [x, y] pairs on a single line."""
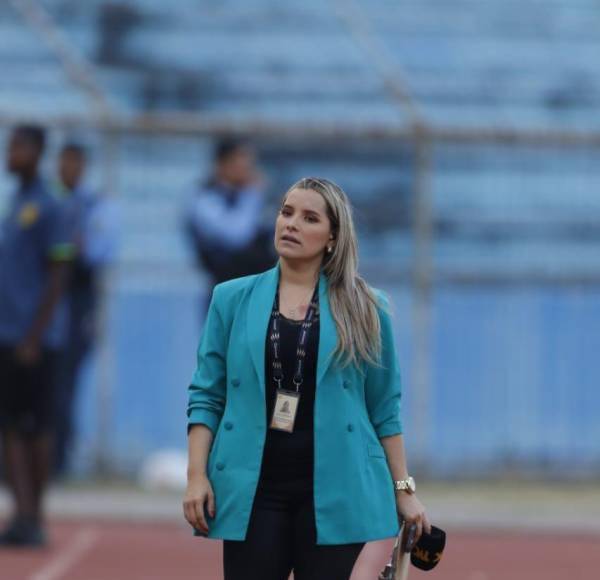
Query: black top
{"points": [[291, 455]]}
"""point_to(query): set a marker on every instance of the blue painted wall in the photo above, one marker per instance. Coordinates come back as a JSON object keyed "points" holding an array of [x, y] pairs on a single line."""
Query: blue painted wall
{"points": [[515, 379]]}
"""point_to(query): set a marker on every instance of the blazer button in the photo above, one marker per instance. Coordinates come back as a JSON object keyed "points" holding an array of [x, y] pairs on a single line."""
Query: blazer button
{"points": [[346, 383], [228, 426], [235, 382], [220, 466], [350, 427]]}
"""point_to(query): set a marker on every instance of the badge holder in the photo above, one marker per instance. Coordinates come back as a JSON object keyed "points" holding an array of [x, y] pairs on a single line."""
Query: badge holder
{"points": [[285, 408]]}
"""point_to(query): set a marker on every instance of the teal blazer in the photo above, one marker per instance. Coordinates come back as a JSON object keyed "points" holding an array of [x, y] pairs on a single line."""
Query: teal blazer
{"points": [[353, 492]]}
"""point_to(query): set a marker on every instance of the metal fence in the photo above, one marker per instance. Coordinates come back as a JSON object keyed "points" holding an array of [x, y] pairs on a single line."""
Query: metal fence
{"points": [[486, 238], [487, 241]]}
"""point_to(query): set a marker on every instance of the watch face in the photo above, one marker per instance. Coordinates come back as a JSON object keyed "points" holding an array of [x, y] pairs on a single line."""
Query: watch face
{"points": [[411, 484]]}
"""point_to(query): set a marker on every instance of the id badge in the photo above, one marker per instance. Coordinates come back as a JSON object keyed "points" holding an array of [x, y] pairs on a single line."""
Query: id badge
{"points": [[284, 411]]}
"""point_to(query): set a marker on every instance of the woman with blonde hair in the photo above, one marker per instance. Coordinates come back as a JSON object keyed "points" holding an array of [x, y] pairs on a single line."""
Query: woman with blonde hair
{"points": [[296, 455]]}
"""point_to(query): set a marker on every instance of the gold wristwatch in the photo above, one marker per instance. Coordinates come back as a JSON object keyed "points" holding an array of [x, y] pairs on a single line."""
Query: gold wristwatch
{"points": [[408, 485]]}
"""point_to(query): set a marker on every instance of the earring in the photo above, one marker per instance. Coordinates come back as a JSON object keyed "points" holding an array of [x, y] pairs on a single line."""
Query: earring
{"points": [[329, 249]]}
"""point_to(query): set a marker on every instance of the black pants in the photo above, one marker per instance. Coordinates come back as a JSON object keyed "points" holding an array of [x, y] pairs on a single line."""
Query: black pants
{"points": [[27, 392], [82, 311], [281, 537]]}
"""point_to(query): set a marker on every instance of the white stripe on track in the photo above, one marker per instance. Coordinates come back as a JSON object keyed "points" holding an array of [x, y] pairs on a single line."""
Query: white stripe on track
{"points": [[67, 558]]}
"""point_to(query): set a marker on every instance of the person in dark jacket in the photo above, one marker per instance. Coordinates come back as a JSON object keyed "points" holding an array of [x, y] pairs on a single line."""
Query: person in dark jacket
{"points": [[223, 217]]}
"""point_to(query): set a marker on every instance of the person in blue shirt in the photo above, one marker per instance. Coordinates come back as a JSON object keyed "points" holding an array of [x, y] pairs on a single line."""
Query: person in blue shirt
{"points": [[223, 217], [95, 235], [35, 249]]}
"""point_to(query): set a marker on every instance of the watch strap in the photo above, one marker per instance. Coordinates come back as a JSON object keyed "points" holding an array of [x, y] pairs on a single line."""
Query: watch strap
{"points": [[407, 484]]}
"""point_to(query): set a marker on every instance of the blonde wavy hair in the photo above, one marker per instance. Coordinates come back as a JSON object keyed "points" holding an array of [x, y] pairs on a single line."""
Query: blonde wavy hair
{"points": [[353, 303]]}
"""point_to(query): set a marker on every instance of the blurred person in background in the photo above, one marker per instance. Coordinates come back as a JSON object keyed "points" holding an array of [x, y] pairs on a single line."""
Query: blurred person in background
{"points": [[296, 452], [223, 217], [95, 236], [35, 250]]}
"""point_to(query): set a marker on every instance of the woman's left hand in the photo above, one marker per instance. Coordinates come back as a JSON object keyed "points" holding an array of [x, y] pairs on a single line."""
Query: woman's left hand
{"points": [[411, 510]]}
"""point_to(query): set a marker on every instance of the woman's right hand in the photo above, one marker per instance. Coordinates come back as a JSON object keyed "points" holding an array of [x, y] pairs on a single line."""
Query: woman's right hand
{"points": [[199, 491]]}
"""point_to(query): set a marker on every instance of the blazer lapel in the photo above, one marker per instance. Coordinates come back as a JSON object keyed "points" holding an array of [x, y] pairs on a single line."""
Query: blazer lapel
{"points": [[259, 312], [327, 329]]}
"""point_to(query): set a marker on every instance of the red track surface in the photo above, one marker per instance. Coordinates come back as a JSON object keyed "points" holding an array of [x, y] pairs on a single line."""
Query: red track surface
{"points": [[90, 550]]}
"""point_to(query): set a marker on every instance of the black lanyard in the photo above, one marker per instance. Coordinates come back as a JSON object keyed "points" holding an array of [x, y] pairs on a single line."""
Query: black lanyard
{"points": [[302, 340]]}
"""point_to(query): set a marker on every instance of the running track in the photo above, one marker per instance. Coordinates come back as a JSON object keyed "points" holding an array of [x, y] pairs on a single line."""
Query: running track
{"points": [[94, 550]]}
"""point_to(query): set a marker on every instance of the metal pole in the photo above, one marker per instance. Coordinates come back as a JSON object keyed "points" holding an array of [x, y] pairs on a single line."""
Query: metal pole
{"points": [[106, 376], [193, 124], [77, 68], [422, 280], [356, 20]]}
